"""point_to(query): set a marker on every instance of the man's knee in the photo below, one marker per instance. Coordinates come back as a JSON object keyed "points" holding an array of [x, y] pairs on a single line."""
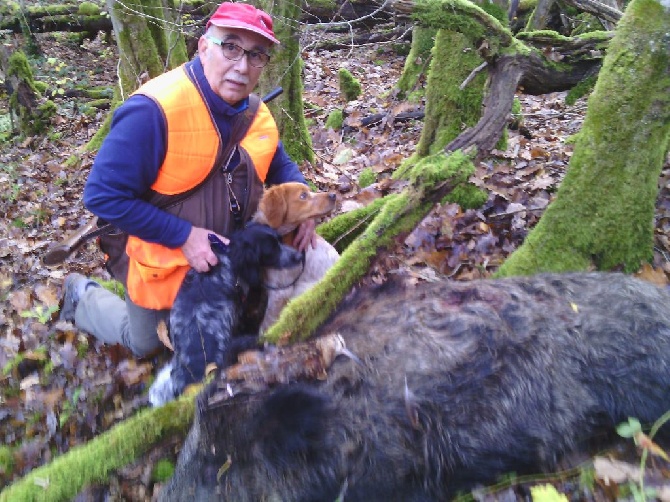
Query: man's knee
{"points": [[145, 346]]}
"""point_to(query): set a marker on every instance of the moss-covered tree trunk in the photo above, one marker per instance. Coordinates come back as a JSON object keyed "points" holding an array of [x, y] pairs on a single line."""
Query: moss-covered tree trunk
{"points": [[285, 69], [538, 19], [26, 105], [149, 38], [417, 61], [449, 108], [604, 210], [148, 35], [455, 86]]}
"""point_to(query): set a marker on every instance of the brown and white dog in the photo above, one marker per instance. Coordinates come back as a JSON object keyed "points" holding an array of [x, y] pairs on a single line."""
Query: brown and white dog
{"points": [[284, 207]]}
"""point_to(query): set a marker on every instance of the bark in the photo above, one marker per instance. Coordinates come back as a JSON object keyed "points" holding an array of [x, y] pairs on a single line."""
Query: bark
{"points": [[359, 12], [540, 16], [601, 10], [603, 214]]}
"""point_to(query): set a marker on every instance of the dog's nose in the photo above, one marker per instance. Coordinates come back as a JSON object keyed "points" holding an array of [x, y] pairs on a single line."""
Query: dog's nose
{"points": [[332, 196]]}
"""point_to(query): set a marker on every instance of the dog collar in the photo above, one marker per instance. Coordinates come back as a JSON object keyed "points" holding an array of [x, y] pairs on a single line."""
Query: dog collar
{"points": [[217, 243]]}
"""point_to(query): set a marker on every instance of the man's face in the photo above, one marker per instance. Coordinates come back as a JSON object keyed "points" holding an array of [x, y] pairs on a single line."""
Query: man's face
{"points": [[231, 80]]}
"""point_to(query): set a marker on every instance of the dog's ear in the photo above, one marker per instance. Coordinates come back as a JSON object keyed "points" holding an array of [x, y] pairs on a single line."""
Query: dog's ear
{"points": [[272, 208]]}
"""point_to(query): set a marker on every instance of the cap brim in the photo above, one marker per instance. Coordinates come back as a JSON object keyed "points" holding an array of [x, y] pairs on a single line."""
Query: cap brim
{"points": [[245, 26]]}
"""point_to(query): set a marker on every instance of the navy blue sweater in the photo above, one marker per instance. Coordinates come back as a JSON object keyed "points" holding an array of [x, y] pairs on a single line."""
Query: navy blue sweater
{"points": [[129, 159]]}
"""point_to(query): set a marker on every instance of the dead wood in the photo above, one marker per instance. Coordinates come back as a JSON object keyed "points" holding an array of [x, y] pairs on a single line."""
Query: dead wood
{"points": [[535, 73], [598, 9], [399, 33]]}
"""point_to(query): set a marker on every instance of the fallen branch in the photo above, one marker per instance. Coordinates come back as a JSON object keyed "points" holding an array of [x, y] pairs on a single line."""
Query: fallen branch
{"points": [[430, 181], [65, 476]]}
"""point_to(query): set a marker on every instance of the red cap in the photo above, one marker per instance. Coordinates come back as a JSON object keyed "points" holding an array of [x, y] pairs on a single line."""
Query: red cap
{"points": [[245, 17]]}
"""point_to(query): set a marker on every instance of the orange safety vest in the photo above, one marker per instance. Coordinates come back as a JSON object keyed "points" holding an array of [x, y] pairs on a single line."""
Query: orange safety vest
{"points": [[194, 147]]}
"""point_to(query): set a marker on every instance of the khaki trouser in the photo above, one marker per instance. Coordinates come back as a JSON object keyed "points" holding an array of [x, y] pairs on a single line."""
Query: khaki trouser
{"points": [[113, 320]]}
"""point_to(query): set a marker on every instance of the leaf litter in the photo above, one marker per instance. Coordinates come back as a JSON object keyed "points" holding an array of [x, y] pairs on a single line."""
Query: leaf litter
{"points": [[60, 387]]}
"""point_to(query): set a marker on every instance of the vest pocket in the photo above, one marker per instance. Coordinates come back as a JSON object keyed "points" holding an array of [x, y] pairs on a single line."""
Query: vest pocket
{"points": [[150, 274]]}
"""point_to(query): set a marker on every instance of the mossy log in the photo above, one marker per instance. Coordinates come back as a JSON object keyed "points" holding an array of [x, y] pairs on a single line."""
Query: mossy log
{"points": [[65, 476], [72, 22], [32, 111], [69, 17], [603, 214]]}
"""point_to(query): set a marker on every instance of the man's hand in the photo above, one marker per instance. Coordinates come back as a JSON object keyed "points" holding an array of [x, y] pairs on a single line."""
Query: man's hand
{"points": [[305, 235], [198, 251]]}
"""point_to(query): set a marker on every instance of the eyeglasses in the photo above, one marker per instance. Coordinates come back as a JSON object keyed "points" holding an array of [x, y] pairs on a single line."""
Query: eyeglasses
{"points": [[234, 52]]}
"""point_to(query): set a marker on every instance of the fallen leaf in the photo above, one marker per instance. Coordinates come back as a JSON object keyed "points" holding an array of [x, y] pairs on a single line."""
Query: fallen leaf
{"points": [[343, 156], [163, 334], [615, 471], [546, 493], [651, 274]]}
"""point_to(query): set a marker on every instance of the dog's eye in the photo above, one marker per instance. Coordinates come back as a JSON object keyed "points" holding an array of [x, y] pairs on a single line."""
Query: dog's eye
{"points": [[303, 195]]}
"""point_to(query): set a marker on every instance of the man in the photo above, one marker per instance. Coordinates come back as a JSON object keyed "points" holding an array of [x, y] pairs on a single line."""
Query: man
{"points": [[164, 141]]}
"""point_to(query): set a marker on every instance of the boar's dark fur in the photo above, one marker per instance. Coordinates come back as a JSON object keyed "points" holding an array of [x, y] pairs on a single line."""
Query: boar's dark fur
{"points": [[459, 383]]}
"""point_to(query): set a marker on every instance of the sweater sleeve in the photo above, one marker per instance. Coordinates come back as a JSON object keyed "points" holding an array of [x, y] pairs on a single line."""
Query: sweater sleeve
{"points": [[124, 169], [283, 169]]}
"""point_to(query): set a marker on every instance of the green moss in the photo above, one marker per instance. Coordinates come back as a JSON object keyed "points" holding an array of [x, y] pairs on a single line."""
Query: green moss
{"points": [[350, 87], [9, 8], [517, 114], [102, 92], [335, 120], [99, 103], [163, 470], [502, 141], [41, 87], [402, 49], [450, 109], [112, 286], [494, 10], [581, 89], [416, 63], [7, 461], [18, 66], [585, 23], [88, 9], [344, 228], [467, 196], [50, 9], [456, 167], [366, 178]]}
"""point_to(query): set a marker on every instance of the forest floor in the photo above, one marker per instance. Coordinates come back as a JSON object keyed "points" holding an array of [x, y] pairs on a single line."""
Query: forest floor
{"points": [[60, 388]]}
